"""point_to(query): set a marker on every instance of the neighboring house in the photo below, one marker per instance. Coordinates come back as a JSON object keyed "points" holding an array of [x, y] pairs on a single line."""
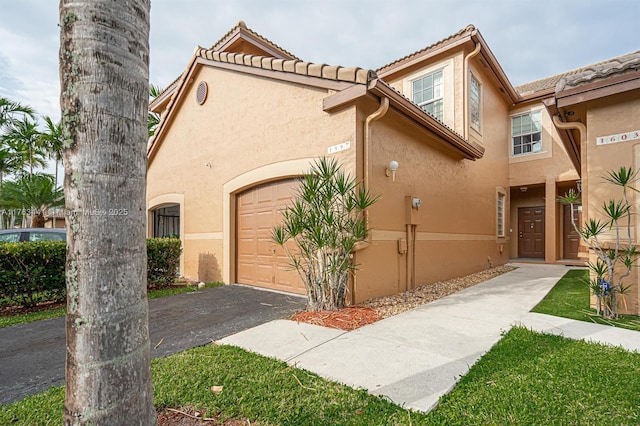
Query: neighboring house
{"points": [[597, 109], [480, 163]]}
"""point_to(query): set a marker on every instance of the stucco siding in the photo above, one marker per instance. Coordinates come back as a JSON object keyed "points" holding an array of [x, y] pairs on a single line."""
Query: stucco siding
{"points": [[456, 223], [605, 117], [246, 124]]}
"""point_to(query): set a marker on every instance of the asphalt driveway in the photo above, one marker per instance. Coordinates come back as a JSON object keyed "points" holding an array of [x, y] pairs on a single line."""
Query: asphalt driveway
{"points": [[32, 356]]}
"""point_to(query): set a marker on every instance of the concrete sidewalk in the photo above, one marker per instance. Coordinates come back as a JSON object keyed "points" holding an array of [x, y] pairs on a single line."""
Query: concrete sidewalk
{"points": [[415, 357]]}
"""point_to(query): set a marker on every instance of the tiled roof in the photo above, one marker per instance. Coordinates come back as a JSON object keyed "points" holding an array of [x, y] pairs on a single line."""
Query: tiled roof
{"points": [[579, 76], [614, 66], [348, 74], [462, 33], [336, 73], [241, 26]]}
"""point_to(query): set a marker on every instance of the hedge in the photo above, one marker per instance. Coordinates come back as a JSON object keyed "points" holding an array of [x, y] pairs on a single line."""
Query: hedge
{"points": [[33, 272], [163, 261]]}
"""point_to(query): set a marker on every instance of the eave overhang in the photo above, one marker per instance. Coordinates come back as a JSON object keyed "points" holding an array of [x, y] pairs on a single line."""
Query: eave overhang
{"points": [[403, 106], [564, 100], [321, 76], [570, 142]]}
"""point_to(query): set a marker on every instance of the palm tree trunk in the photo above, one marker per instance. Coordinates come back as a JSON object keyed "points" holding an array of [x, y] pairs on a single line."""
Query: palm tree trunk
{"points": [[104, 97], [53, 216]]}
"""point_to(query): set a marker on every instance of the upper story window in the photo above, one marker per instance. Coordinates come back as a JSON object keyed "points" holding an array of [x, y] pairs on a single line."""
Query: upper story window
{"points": [[526, 133], [475, 93], [428, 93]]}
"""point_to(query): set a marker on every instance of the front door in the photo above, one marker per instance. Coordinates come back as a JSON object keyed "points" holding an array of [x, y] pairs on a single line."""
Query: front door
{"points": [[531, 232], [571, 238]]}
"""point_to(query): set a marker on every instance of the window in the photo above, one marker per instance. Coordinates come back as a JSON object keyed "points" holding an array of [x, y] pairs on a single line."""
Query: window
{"points": [[166, 221], [428, 93], [475, 91], [526, 133], [500, 214]]}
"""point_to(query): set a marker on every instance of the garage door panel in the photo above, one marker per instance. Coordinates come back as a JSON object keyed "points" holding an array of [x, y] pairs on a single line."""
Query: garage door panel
{"points": [[261, 262], [264, 221], [246, 221]]}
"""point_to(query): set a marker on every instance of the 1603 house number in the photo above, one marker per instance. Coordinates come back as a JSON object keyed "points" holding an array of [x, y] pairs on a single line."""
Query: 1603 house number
{"points": [[620, 137]]}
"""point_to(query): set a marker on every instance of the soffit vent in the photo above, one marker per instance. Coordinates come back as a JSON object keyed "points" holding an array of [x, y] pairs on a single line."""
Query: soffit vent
{"points": [[201, 92]]}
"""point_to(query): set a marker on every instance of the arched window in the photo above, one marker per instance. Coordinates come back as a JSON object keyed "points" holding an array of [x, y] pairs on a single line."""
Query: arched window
{"points": [[166, 221]]}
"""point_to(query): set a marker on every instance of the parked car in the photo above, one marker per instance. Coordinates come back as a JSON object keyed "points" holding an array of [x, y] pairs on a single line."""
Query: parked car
{"points": [[32, 234]]}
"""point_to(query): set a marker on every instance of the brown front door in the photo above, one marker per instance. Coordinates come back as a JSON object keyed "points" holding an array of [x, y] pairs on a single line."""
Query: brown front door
{"points": [[260, 261], [570, 237], [531, 232]]}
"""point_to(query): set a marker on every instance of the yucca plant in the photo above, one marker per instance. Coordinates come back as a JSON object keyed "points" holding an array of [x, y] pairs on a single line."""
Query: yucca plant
{"points": [[325, 222], [614, 261]]}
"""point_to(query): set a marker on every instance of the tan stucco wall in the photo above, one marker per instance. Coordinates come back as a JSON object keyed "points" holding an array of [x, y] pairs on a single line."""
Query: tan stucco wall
{"points": [[250, 130], [552, 163], [546, 170], [451, 64], [609, 116], [452, 238]]}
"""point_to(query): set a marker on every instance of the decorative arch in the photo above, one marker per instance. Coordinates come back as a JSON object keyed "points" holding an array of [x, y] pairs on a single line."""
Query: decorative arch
{"points": [[257, 176], [159, 202]]}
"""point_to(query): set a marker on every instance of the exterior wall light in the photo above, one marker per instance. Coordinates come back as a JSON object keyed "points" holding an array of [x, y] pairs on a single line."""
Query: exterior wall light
{"points": [[579, 185], [391, 169]]}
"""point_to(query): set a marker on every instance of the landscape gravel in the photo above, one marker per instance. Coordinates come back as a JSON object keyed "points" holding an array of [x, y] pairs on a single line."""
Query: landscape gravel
{"points": [[401, 302]]}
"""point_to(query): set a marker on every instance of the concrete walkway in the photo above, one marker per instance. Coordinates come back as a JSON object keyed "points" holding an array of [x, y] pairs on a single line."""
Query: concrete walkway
{"points": [[415, 357]]}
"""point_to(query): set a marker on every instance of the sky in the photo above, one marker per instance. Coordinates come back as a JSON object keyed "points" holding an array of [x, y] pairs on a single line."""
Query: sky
{"points": [[531, 39]]}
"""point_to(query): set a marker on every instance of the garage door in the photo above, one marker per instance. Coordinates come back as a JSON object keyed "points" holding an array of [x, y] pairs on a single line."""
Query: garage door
{"points": [[260, 261]]}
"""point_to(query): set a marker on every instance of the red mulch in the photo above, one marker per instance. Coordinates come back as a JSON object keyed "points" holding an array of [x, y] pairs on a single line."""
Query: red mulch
{"points": [[344, 319]]}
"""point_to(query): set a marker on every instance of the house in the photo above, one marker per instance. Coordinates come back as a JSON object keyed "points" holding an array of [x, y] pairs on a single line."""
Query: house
{"points": [[467, 166], [597, 112]]}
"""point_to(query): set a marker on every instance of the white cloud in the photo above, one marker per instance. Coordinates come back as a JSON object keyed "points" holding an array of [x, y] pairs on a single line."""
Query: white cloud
{"points": [[531, 39]]}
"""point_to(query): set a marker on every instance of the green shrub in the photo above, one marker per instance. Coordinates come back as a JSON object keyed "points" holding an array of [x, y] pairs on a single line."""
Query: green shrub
{"points": [[33, 272], [163, 261]]}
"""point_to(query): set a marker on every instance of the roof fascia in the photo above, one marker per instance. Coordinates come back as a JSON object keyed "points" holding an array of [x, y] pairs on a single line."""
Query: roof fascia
{"points": [[414, 113], [260, 44], [159, 103], [401, 66], [599, 89], [536, 96], [495, 67], [156, 139], [290, 77], [343, 97], [198, 61], [566, 137]]}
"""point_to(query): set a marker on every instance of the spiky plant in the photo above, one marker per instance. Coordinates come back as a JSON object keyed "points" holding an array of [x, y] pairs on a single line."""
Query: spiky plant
{"points": [[325, 221], [614, 262]]}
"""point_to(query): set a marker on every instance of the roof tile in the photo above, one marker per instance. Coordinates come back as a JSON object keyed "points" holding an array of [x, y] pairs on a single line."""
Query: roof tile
{"points": [[348, 74], [583, 75], [241, 26], [463, 32]]}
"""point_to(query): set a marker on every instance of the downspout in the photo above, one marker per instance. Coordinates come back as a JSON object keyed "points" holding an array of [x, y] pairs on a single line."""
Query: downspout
{"points": [[378, 114], [465, 89], [582, 129]]}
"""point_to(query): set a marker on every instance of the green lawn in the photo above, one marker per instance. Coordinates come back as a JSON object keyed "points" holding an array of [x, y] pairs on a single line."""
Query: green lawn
{"points": [[569, 298], [526, 379], [9, 320]]}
